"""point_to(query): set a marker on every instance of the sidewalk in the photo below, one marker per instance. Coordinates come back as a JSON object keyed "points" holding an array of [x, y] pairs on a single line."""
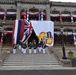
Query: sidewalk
{"points": [[67, 49]]}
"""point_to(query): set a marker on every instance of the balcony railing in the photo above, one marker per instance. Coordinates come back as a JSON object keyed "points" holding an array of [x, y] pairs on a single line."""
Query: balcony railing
{"points": [[65, 23], [9, 22]]}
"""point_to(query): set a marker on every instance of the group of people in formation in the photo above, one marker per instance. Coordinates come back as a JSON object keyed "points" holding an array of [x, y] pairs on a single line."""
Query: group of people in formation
{"points": [[40, 47]]}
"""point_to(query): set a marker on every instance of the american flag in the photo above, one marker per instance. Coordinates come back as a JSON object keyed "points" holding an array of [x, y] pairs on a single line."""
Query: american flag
{"points": [[27, 30]]}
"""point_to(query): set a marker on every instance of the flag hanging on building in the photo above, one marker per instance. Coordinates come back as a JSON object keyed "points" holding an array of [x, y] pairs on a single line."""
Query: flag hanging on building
{"points": [[21, 31], [23, 28], [44, 31], [27, 30], [18, 30]]}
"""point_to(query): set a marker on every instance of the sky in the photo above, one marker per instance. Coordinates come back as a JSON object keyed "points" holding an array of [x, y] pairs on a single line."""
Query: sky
{"points": [[74, 1]]}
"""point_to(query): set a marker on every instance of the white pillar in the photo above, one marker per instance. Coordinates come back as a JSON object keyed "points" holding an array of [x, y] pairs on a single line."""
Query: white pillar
{"points": [[18, 11], [48, 11], [2, 35], [60, 18], [27, 14], [42, 15], [71, 17], [39, 13], [4, 15]]}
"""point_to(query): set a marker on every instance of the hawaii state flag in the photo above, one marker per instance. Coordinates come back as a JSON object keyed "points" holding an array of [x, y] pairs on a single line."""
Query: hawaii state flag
{"points": [[27, 30], [21, 31], [18, 30]]}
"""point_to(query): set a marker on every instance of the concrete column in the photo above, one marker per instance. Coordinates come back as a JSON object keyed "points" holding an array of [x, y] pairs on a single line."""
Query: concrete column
{"points": [[48, 11], [4, 15], [72, 18], [60, 17], [41, 15], [27, 14], [39, 12], [18, 11], [74, 37]]}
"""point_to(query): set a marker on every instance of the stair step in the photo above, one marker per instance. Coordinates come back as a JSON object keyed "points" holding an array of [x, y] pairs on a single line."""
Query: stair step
{"points": [[26, 64], [20, 59]]}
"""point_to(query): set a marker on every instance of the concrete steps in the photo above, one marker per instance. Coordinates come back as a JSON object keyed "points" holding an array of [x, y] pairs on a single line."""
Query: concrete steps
{"points": [[27, 64], [20, 59]]}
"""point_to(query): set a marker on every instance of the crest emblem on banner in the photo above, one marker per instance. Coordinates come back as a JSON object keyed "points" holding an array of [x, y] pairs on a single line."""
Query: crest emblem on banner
{"points": [[46, 36]]}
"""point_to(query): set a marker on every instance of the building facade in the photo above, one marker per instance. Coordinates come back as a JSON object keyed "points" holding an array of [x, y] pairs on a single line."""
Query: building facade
{"points": [[61, 13]]}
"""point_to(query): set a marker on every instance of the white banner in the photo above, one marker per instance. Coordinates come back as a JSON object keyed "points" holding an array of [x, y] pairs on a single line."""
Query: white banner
{"points": [[65, 15], [1, 13], [11, 13], [44, 30], [54, 15], [73, 15]]}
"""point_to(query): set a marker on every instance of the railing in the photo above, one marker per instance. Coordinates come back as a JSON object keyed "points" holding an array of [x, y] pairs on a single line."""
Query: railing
{"points": [[8, 22], [65, 23]]}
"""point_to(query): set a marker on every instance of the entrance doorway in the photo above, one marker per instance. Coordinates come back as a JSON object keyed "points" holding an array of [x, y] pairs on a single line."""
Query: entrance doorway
{"points": [[7, 39]]}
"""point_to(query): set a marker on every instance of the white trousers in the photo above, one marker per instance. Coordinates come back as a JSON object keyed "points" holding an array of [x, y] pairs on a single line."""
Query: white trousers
{"points": [[43, 51], [40, 48], [23, 50], [34, 50], [30, 51], [14, 51], [19, 46]]}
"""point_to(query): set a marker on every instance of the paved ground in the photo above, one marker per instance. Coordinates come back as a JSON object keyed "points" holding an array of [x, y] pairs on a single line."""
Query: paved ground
{"points": [[37, 72], [67, 49]]}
